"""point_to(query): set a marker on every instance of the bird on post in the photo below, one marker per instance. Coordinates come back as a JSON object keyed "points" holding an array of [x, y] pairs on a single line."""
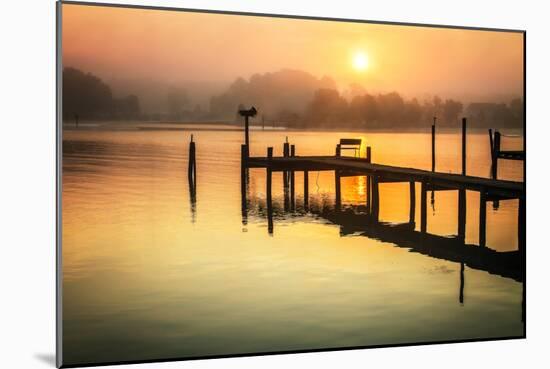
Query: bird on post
{"points": [[246, 114]]}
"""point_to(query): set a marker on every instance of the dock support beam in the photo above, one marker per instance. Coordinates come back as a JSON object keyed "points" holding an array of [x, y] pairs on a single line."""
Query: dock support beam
{"points": [[423, 207], [369, 200], [462, 215], [482, 217], [375, 199], [244, 183], [412, 201], [306, 190], [268, 191], [286, 153], [494, 155], [338, 194], [433, 146], [463, 146], [292, 177]]}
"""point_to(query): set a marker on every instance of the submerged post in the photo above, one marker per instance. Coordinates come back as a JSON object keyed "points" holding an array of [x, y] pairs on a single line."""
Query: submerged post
{"points": [[369, 160], [494, 154], [423, 207], [433, 145], [306, 190], [338, 194], [375, 198], [482, 217], [463, 146], [292, 192], [192, 165], [412, 201], [462, 215], [286, 153], [244, 182], [268, 191]]}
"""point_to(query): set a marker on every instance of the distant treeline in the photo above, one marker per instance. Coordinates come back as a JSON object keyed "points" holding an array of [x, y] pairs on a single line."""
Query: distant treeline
{"points": [[288, 98], [88, 97]]}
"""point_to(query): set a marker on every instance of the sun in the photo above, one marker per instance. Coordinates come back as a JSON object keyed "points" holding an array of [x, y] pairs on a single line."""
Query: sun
{"points": [[360, 61]]}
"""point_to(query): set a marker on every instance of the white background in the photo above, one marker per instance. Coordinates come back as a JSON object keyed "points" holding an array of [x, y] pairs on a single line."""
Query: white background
{"points": [[27, 182]]}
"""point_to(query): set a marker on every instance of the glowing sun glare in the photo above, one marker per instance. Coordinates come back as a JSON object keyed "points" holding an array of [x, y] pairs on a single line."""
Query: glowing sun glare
{"points": [[360, 61]]}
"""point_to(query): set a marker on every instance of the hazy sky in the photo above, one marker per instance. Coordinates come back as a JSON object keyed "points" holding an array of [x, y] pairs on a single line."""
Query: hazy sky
{"points": [[178, 46]]}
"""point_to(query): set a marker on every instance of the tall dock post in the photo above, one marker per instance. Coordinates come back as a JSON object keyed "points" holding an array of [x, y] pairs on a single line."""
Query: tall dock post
{"points": [[482, 217], [244, 182], [423, 207], [463, 146], [494, 155], [338, 194], [292, 177], [192, 165], [369, 160], [247, 113], [433, 145], [412, 202], [268, 191]]}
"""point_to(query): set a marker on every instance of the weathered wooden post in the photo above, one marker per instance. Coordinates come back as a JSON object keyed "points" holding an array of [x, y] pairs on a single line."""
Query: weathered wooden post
{"points": [[461, 292], [337, 183], [375, 199], [306, 190], [462, 215], [244, 182], [192, 165], [247, 114], [433, 145], [494, 154], [268, 191], [369, 160], [412, 201], [292, 192], [482, 217], [286, 154], [423, 207], [463, 146]]}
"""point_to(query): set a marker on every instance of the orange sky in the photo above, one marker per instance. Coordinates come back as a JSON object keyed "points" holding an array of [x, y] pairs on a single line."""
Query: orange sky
{"points": [[178, 46]]}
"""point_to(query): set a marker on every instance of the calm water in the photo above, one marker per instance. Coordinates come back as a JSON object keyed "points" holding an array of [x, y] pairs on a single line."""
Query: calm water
{"points": [[147, 274]]}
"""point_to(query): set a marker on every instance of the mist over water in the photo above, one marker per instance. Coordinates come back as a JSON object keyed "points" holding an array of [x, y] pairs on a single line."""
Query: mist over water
{"points": [[147, 274]]}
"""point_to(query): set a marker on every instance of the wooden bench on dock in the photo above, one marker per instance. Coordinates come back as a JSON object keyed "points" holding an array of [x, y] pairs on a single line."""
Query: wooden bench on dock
{"points": [[350, 144]]}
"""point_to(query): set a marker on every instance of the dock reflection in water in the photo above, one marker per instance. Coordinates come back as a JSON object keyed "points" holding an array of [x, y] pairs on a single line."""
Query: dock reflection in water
{"points": [[156, 268]]}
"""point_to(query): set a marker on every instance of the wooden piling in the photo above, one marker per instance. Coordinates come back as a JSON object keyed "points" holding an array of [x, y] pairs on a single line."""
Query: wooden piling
{"points": [[337, 189], [192, 165], [375, 198], [494, 155], [286, 153], [244, 181], [482, 217], [433, 146], [461, 292], [369, 160], [462, 215], [423, 207], [463, 146], [306, 190], [268, 191], [412, 201], [292, 177]]}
